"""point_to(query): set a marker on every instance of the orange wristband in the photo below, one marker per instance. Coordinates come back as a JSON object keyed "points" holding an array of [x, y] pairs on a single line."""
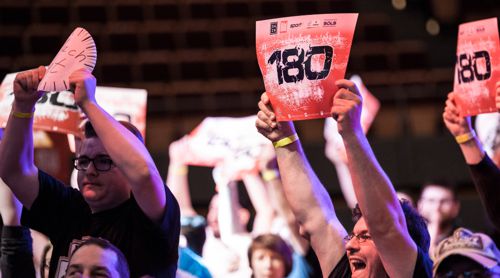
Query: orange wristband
{"points": [[465, 137]]}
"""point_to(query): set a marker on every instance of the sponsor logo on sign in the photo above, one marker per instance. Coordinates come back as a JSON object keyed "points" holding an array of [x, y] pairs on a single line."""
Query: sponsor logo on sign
{"points": [[283, 26], [274, 28], [329, 23], [295, 25], [313, 24]]}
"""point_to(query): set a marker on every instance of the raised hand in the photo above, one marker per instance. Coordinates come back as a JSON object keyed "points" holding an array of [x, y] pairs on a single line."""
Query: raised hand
{"points": [[84, 84], [346, 109], [25, 89], [456, 124], [267, 124], [179, 151]]}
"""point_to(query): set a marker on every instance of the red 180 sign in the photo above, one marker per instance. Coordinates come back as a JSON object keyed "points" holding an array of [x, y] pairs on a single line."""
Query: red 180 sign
{"points": [[295, 59], [467, 69]]}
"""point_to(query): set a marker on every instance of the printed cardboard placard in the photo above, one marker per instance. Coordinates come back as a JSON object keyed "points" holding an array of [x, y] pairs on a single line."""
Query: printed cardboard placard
{"points": [[54, 111], [125, 104], [57, 111], [370, 108], [79, 51], [477, 68], [228, 141], [300, 58]]}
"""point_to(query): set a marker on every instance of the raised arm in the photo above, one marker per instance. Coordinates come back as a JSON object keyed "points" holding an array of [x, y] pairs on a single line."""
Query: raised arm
{"points": [[485, 174], [177, 177], [308, 198], [17, 167], [270, 174], [127, 151], [376, 196], [258, 194]]}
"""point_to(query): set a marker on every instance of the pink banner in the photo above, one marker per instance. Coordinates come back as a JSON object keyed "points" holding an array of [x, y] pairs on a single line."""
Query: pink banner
{"points": [[300, 59]]}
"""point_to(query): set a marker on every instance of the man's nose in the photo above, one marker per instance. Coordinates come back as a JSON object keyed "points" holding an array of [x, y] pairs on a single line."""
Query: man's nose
{"points": [[352, 245], [91, 170]]}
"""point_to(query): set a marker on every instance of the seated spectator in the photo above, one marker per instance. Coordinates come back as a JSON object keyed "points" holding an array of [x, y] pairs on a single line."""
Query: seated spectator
{"points": [[467, 254], [270, 256], [96, 257]]}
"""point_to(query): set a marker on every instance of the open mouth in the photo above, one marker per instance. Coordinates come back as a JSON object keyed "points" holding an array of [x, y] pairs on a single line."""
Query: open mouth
{"points": [[358, 264]]}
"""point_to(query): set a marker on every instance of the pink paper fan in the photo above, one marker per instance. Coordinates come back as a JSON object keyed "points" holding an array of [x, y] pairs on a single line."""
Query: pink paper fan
{"points": [[79, 51]]}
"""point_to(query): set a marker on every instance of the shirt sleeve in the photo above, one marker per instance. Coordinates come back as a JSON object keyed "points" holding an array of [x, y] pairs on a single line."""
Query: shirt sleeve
{"points": [[486, 178], [54, 203]]}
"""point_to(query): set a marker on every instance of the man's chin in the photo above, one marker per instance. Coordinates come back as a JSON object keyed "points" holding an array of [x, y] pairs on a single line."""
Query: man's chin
{"points": [[89, 194]]}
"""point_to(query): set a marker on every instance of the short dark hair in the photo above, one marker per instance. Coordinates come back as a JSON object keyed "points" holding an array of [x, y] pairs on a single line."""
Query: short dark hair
{"points": [[121, 265], [415, 223], [90, 131], [274, 243], [443, 184]]}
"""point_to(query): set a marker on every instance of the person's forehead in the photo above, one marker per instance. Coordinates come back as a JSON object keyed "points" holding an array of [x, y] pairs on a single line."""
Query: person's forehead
{"points": [[360, 226], [94, 255], [92, 146], [436, 191], [262, 251]]}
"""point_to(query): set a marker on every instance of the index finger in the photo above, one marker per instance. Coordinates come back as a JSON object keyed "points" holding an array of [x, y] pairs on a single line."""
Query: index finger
{"points": [[265, 105], [347, 84]]}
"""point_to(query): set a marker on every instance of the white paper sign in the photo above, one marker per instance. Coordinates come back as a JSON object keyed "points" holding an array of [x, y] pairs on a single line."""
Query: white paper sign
{"points": [[234, 142], [79, 51]]}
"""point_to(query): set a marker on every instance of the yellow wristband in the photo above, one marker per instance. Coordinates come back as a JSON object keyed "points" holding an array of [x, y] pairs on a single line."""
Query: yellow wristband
{"points": [[269, 175], [180, 170], [23, 115], [465, 137], [286, 141]]}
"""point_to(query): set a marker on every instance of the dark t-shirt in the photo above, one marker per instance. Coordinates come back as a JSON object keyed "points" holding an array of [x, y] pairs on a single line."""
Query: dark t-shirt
{"points": [[62, 214], [423, 267]]}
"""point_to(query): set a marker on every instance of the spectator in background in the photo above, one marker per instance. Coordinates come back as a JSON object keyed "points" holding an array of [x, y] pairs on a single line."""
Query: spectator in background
{"points": [[96, 257], [467, 254], [16, 244], [270, 256], [439, 205]]}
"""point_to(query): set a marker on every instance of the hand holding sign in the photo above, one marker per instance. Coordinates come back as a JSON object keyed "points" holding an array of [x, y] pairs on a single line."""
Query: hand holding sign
{"points": [[346, 107], [25, 92], [79, 51], [85, 84], [267, 124], [335, 150]]}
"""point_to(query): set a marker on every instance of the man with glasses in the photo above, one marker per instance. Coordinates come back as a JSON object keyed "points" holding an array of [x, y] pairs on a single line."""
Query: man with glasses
{"points": [[122, 197], [389, 238], [468, 255]]}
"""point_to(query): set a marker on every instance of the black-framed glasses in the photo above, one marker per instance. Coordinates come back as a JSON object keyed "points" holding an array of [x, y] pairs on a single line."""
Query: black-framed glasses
{"points": [[483, 273], [361, 237], [101, 163]]}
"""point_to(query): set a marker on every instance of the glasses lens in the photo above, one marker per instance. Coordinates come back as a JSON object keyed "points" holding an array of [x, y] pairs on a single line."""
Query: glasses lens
{"points": [[102, 163], [82, 163]]}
